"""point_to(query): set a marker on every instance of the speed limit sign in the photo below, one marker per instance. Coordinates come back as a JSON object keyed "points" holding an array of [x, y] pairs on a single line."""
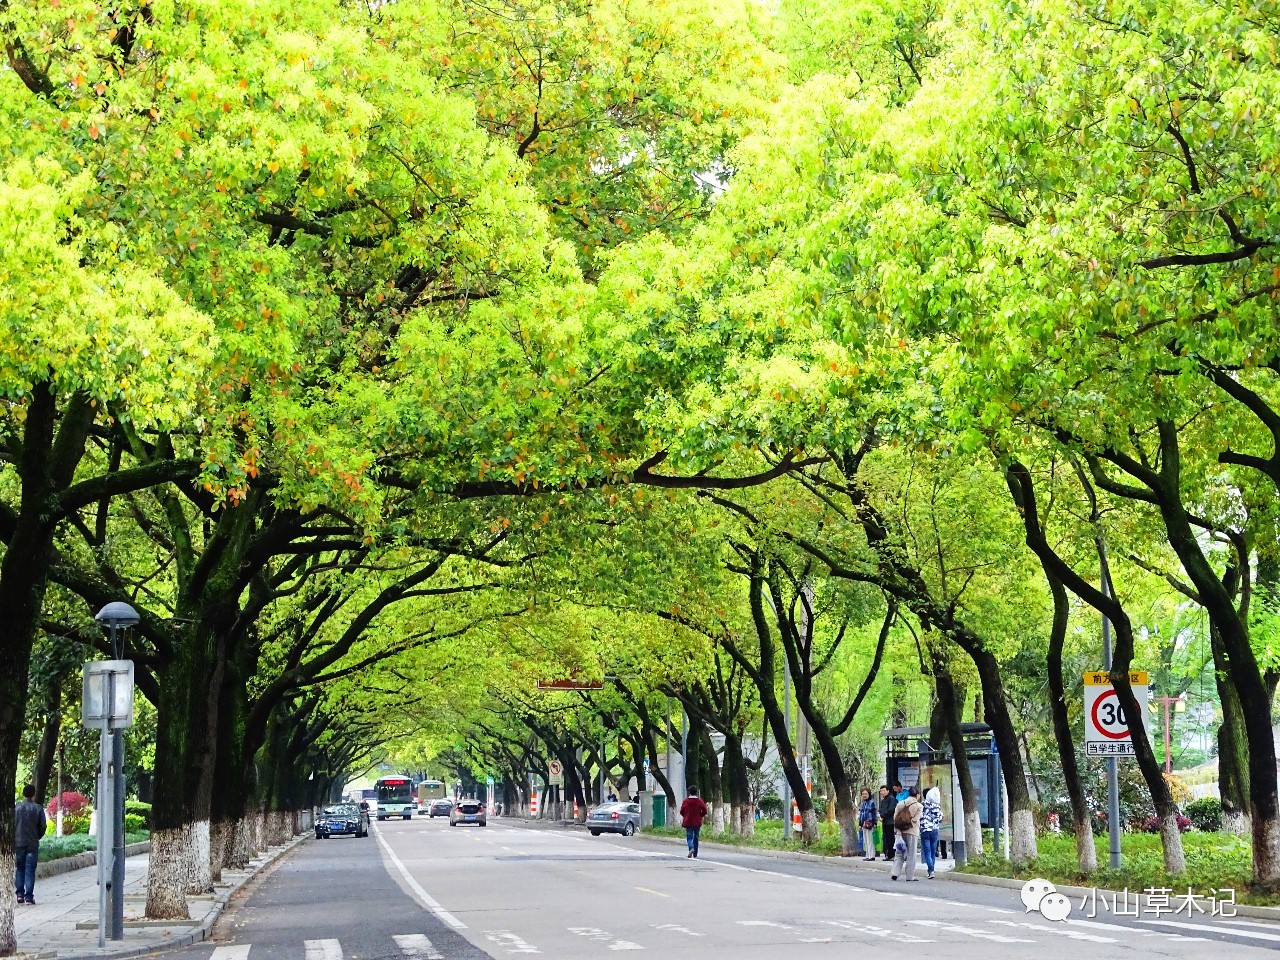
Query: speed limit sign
{"points": [[1106, 727]]}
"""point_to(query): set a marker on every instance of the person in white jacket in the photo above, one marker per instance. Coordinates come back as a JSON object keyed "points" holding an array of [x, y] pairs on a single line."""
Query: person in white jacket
{"points": [[930, 824]]}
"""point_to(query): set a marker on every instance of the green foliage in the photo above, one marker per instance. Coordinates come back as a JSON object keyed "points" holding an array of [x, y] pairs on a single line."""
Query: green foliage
{"points": [[1214, 861], [68, 845], [1205, 813]]}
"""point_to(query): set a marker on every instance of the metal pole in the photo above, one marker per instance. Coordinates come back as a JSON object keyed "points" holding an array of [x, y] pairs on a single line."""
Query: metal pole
{"points": [[667, 737], [1168, 754], [684, 750], [786, 724], [105, 810], [117, 797], [1113, 767], [61, 753]]}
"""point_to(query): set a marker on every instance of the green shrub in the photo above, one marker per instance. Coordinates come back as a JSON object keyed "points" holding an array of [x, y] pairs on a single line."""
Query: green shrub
{"points": [[57, 848], [76, 822], [1205, 813], [133, 822], [139, 808]]}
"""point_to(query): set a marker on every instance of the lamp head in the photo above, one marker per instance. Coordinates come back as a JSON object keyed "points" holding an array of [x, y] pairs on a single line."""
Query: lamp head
{"points": [[117, 614]]}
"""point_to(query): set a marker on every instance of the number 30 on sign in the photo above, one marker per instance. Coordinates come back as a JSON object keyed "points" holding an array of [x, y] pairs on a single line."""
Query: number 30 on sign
{"points": [[1106, 728]]}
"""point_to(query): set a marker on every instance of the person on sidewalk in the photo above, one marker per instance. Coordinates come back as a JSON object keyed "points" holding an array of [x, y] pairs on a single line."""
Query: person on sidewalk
{"points": [[29, 827], [888, 803], [906, 824], [692, 812], [868, 813], [930, 824]]}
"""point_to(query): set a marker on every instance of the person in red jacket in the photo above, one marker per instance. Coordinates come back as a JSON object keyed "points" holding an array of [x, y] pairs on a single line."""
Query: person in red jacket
{"points": [[692, 812]]}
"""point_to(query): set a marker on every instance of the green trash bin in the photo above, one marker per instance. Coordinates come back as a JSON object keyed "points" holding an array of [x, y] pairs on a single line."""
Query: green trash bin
{"points": [[659, 810]]}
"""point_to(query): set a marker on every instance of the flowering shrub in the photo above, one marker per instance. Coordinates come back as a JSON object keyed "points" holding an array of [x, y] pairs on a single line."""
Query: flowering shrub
{"points": [[1152, 824], [72, 803]]}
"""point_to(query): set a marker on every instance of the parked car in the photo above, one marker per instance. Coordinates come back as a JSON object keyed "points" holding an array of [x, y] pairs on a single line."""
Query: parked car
{"points": [[468, 811], [342, 819], [441, 807], [621, 817]]}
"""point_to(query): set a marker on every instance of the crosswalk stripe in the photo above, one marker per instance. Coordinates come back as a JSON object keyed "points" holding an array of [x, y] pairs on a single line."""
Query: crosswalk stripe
{"points": [[416, 946], [238, 952], [323, 949], [1253, 934]]}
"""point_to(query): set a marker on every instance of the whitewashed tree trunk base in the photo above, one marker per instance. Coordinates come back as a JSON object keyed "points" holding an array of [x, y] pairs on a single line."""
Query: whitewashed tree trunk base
{"points": [[973, 834], [1022, 836], [849, 830], [1171, 841], [8, 932], [240, 853], [199, 875], [747, 820], [258, 832], [809, 826], [219, 836], [1086, 852], [167, 873], [1236, 823]]}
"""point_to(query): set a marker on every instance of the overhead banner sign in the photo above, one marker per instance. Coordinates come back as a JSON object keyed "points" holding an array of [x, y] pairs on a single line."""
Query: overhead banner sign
{"points": [[1106, 727], [570, 683]]}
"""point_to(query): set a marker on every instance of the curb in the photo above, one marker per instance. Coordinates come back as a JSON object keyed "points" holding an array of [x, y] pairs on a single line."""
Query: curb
{"points": [[206, 926], [1242, 909], [54, 868]]}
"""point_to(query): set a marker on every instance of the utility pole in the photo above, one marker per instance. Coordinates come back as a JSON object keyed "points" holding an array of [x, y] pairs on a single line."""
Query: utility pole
{"points": [[786, 723], [1179, 705]]}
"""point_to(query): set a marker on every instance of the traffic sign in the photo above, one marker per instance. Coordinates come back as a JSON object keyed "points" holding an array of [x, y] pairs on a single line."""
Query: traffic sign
{"points": [[555, 771], [1106, 728]]}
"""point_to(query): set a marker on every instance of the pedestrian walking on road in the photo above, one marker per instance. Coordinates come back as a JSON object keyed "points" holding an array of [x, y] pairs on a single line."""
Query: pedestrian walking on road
{"points": [[868, 813], [692, 812], [29, 827], [930, 824], [888, 803], [906, 824]]}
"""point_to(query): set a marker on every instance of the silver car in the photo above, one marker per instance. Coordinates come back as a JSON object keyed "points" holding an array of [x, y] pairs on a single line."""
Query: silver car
{"points": [[621, 817], [468, 811]]}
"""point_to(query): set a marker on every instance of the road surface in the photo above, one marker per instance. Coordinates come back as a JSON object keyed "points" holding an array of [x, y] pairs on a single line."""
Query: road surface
{"points": [[421, 890]]}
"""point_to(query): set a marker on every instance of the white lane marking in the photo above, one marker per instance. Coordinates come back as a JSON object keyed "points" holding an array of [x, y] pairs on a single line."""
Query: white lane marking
{"points": [[656, 893], [239, 952], [1186, 926], [508, 941], [416, 946], [604, 936], [969, 931], [1248, 923], [764, 923], [323, 949], [1059, 931], [416, 887], [676, 928], [897, 935]]}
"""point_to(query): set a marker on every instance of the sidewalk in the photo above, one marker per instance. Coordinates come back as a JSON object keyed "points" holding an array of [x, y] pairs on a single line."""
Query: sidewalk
{"points": [[64, 921]]}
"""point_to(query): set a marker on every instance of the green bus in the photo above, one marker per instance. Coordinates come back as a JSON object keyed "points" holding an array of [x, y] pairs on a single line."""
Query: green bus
{"points": [[429, 790], [395, 797]]}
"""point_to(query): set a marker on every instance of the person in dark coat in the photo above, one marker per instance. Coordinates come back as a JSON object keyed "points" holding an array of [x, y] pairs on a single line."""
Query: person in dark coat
{"points": [[29, 826], [888, 803]]}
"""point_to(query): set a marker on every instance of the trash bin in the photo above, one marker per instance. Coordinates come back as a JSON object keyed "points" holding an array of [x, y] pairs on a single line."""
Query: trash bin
{"points": [[659, 809]]}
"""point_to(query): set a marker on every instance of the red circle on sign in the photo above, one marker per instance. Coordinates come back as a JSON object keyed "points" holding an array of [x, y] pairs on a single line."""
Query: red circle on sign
{"points": [[1097, 724]]}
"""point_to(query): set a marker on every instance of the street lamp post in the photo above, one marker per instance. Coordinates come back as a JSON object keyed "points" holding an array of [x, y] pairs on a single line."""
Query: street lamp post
{"points": [[1179, 705], [117, 617]]}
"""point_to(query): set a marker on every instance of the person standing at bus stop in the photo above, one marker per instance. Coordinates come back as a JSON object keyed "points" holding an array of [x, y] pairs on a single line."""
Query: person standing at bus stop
{"points": [[692, 812], [29, 827]]}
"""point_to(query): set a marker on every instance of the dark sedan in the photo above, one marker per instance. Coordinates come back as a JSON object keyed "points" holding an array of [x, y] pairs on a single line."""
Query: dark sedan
{"points": [[440, 808], [343, 819], [623, 818]]}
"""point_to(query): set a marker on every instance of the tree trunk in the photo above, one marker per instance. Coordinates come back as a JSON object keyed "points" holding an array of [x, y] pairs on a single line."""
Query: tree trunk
{"points": [[47, 754], [1233, 747], [45, 466], [950, 704]]}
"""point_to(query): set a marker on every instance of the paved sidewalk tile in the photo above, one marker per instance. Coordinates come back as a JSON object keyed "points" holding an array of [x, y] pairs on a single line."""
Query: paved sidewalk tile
{"points": [[64, 920]]}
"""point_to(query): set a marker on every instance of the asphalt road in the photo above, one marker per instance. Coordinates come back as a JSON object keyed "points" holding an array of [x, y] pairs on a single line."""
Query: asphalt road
{"points": [[421, 890]]}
